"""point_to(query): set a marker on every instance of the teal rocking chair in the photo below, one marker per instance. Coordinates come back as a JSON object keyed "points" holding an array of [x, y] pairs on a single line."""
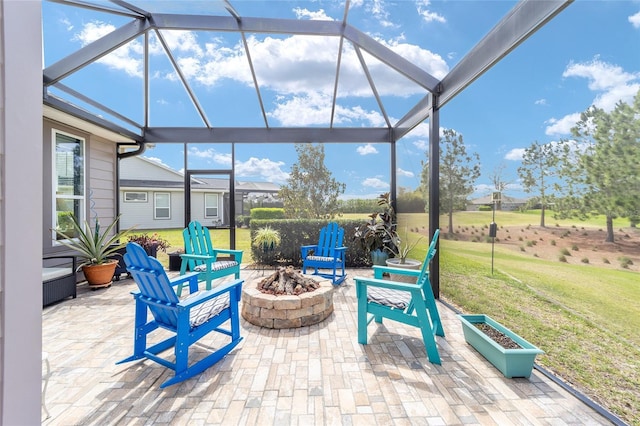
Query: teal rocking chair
{"points": [[200, 256], [409, 303], [328, 254], [188, 319]]}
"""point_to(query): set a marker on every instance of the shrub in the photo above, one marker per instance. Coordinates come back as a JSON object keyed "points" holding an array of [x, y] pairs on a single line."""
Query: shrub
{"points": [[565, 252], [562, 258], [584, 260], [530, 243], [553, 242], [267, 213], [574, 247], [625, 262], [605, 260]]}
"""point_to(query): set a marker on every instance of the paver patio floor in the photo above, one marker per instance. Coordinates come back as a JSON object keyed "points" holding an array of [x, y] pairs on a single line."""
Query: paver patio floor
{"points": [[315, 375]]}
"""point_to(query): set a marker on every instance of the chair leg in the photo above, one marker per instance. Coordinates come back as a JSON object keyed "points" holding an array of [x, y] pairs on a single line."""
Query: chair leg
{"points": [[428, 335], [362, 313]]}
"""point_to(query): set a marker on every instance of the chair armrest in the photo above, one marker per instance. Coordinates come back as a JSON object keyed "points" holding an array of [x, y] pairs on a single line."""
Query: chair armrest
{"points": [[379, 270], [393, 285], [306, 249], [237, 253], [214, 292], [192, 277]]}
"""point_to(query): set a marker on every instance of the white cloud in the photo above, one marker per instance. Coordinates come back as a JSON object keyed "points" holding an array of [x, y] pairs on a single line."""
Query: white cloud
{"points": [[421, 144], [562, 126], [601, 75], [611, 82], [515, 154], [67, 24], [375, 182], [635, 20], [264, 168], [540, 102], [406, 173], [127, 58], [366, 149], [315, 109], [211, 155], [426, 14], [317, 15]]}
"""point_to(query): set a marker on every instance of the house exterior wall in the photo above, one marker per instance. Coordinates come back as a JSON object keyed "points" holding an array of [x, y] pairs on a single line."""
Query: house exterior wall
{"points": [[20, 212], [141, 214], [100, 193]]}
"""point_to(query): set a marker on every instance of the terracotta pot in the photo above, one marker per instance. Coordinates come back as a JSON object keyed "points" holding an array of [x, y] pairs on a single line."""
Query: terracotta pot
{"points": [[100, 275]]}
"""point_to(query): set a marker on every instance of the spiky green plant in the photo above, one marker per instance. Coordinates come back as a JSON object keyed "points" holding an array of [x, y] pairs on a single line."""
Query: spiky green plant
{"points": [[94, 246]]}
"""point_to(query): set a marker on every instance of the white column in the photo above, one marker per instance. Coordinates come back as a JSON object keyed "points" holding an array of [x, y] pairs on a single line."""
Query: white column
{"points": [[21, 233]]}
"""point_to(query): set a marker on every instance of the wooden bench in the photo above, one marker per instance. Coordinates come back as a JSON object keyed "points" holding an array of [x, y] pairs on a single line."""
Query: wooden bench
{"points": [[58, 278]]}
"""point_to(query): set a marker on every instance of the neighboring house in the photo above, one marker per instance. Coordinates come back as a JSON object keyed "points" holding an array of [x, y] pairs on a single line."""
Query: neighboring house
{"points": [[506, 204], [152, 196]]}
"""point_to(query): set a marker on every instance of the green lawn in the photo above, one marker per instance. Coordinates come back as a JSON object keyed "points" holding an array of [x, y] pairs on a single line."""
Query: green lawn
{"points": [[584, 317]]}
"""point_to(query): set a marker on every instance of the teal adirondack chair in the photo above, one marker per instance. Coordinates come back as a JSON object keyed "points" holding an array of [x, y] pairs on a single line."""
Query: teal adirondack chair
{"points": [[188, 319], [408, 303], [200, 256], [328, 254]]}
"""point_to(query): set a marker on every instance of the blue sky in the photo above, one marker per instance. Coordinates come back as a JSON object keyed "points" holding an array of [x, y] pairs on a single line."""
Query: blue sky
{"points": [[588, 54]]}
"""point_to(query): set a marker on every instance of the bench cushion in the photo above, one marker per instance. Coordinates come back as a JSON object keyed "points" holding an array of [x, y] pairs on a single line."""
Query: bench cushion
{"points": [[49, 274]]}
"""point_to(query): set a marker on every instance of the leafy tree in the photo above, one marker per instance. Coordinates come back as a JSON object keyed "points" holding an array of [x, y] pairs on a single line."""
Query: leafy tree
{"points": [[311, 192], [603, 168], [458, 173], [539, 164]]}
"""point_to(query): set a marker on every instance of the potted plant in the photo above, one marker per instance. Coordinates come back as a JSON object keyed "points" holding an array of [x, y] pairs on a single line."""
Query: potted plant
{"points": [[400, 249], [95, 246], [377, 234], [150, 243], [266, 239], [507, 351]]}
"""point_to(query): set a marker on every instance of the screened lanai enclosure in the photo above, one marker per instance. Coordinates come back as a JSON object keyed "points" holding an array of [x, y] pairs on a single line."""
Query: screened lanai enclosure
{"points": [[229, 79]]}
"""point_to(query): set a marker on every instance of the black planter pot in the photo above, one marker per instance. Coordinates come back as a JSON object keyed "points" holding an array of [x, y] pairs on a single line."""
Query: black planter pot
{"points": [[174, 262]]}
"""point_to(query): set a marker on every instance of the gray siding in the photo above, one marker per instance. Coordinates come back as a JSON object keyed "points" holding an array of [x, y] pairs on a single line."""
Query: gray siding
{"points": [[101, 181]]}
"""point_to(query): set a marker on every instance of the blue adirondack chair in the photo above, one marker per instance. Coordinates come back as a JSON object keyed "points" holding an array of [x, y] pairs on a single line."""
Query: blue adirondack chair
{"points": [[200, 256], [189, 319], [408, 303], [327, 254]]}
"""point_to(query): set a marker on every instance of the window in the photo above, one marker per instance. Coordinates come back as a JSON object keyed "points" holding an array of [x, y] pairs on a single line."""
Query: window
{"points": [[162, 205], [210, 205], [135, 197], [68, 171]]}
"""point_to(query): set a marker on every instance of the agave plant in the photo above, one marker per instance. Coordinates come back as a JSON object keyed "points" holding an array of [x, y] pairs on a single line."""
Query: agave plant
{"points": [[94, 246]]}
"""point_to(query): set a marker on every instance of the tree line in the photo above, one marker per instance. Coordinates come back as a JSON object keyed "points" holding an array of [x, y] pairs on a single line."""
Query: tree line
{"points": [[596, 171]]}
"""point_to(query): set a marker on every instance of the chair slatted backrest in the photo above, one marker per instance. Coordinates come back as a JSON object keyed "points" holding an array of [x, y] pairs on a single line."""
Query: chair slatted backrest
{"points": [[331, 236], [423, 279], [154, 285], [197, 240]]}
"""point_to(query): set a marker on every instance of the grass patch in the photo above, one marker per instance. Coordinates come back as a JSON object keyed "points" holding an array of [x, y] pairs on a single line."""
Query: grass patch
{"points": [[588, 332]]}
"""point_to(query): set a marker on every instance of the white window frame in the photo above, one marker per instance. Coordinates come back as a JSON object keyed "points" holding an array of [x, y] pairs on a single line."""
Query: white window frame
{"points": [[206, 206], [146, 197], [155, 205], [54, 182]]}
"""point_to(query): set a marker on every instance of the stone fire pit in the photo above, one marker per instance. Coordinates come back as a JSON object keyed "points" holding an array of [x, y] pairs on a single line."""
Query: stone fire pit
{"points": [[286, 310]]}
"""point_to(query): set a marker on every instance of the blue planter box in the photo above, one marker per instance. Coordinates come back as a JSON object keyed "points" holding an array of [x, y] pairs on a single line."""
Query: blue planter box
{"points": [[510, 362]]}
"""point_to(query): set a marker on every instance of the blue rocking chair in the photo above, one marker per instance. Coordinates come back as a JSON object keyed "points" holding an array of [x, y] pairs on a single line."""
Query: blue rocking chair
{"points": [[188, 319], [408, 303], [327, 254]]}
